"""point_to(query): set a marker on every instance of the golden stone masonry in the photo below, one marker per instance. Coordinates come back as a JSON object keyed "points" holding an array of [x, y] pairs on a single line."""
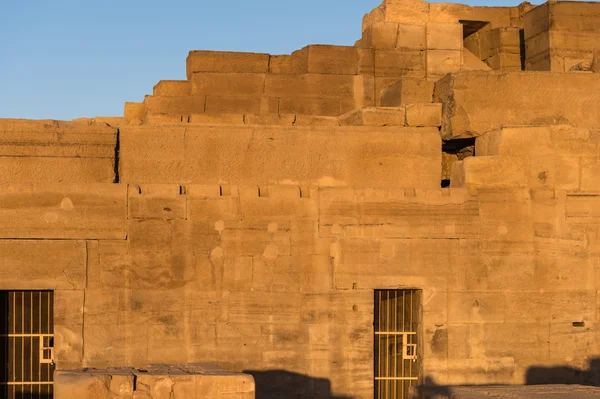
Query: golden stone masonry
{"points": [[412, 216]]}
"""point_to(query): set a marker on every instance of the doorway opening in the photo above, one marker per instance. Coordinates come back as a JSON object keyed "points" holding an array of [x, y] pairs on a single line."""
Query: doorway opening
{"points": [[26, 344], [396, 342]]}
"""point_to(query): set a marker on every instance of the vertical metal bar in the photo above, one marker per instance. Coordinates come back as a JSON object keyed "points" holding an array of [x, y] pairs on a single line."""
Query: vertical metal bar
{"points": [[410, 323], [14, 347], [395, 393], [379, 339], [31, 338], [22, 340], [387, 341], [40, 331]]}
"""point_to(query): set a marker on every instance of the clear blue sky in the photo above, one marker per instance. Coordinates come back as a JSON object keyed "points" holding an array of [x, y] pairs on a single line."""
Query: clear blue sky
{"points": [[64, 59]]}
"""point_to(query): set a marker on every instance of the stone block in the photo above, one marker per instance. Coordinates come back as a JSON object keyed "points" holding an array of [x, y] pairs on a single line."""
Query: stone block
{"points": [[43, 170], [443, 36], [192, 154], [63, 211], [472, 63], [335, 60], [174, 105], [294, 64], [226, 62], [590, 169], [424, 114], [475, 307], [442, 62], [413, 37], [228, 84], [309, 86], [78, 385], [217, 119], [310, 106], [536, 21], [134, 112], [407, 91], [311, 120], [233, 105], [392, 215], [366, 61], [516, 141], [158, 381], [399, 63], [270, 119], [380, 35], [497, 172], [374, 116], [406, 11], [156, 201], [176, 88], [559, 99], [505, 62], [81, 151], [44, 265]]}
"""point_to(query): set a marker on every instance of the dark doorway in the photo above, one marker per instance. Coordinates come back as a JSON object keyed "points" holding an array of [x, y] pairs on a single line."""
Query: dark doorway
{"points": [[26, 344], [397, 357]]}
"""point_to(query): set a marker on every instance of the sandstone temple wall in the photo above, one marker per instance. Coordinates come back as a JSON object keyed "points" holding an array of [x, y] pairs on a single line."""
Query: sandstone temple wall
{"points": [[245, 216], [277, 277]]}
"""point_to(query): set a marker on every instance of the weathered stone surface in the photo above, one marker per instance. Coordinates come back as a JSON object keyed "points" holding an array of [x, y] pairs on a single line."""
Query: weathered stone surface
{"points": [[43, 265], [191, 155], [477, 102], [63, 211], [559, 36], [226, 62], [407, 91], [159, 382], [424, 114], [375, 116], [253, 222], [48, 151]]}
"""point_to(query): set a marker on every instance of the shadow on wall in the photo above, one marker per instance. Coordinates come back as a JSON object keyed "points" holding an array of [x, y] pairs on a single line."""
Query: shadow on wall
{"points": [[271, 384], [565, 375], [430, 390], [535, 376]]}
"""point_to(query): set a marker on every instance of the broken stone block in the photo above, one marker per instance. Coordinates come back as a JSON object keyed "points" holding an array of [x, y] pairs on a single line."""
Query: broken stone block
{"points": [[469, 109], [134, 112], [190, 381], [293, 64], [172, 88]]}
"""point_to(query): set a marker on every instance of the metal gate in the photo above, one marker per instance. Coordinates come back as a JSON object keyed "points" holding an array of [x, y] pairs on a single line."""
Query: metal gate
{"points": [[397, 364], [26, 344]]}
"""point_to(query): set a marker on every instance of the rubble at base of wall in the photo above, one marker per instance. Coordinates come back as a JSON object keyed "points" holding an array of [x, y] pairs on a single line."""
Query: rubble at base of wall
{"points": [[188, 381]]}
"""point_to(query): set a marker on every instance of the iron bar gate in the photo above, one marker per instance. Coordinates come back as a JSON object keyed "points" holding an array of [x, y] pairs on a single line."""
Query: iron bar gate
{"points": [[26, 344], [397, 364]]}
